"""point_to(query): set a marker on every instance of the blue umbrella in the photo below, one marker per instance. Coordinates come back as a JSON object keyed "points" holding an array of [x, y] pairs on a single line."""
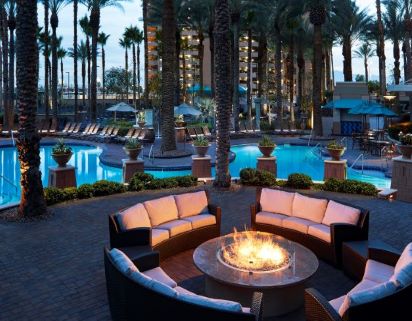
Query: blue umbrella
{"points": [[196, 88], [185, 109], [372, 108]]}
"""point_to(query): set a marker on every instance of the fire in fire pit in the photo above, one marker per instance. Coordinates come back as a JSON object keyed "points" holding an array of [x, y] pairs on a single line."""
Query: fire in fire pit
{"points": [[252, 251]]}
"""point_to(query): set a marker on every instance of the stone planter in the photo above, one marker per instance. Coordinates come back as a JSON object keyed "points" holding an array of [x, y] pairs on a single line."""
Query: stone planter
{"points": [[141, 124], [62, 159], [180, 123], [132, 153], [406, 151], [336, 154], [267, 150], [201, 150]]}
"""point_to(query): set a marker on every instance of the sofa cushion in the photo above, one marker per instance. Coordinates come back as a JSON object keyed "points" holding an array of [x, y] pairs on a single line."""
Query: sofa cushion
{"points": [[159, 236], [377, 271], [270, 218], [161, 210], [190, 204], [339, 213], [181, 290], [298, 224], [211, 303], [403, 268], [140, 278], [309, 208], [337, 303], [374, 293], [135, 216], [176, 227], [201, 220], [276, 201], [159, 275], [163, 289], [363, 285], [121, 261], [321, 232], [246, 310]]}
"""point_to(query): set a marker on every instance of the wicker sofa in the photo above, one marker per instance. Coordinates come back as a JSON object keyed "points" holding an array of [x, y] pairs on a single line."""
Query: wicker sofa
{"points": [[170, 224], [384, 293], [141, 290], [317, 223]]}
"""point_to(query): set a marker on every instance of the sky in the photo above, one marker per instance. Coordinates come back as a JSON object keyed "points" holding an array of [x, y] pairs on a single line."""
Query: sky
{"points": [[114, 21]]}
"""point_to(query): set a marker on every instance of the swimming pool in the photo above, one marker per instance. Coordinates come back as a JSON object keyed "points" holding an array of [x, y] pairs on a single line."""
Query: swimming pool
{"points": [[290, 159]]}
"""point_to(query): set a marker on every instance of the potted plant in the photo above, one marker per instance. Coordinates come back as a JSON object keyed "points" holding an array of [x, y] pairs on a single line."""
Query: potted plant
{"points": [[179, 122], [61, 153], [132, 148], [266, 146], [335, 150], [201, 146], [405, 145], [141, 119]]}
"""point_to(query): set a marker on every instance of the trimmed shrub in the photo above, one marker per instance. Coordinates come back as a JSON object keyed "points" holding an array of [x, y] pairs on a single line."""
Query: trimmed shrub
{"points": [[70, 193], [85, 191], [161, 183], [139, 181], [299, 181], [349, 186], [53, 195], [186, 181], [103, 188], [254, 177]]}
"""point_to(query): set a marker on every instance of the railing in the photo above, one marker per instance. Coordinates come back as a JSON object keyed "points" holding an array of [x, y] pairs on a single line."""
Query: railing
{"points": [[344, 141], [314, 149], [361, 156], [16, 189], [12, 137], [151, 153], [310, 136]]}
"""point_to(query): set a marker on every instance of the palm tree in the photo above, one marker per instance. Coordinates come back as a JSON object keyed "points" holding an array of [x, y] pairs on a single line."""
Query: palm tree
{"points": [[46, 58], [126, 43], [55, 6], [61, 54], [223, 101], [82, 55], [12, 27], [136, 37], [85, 26], [146, 51], [75, 58], [184, 47], [8, 121], [32, 201], [168, 76], [381, 49], [102, 41], [407, 44], [349, 23], [365, 52]]}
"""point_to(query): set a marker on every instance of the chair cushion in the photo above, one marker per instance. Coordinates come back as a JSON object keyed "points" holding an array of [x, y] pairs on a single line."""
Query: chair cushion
{"points": [[276, 201], [153, 284], [201, 220], [309, 208], [122, 261], [159, 236], [159, 275], [339, 213], [403, 268], [365, 284], [176, 227], [211, 303], [374, 293], [140, 278], [161, 210], [246, 310], [270, 218], [183, 290], [135, 216], [337, 303], [321, 232], [190, 204], [298, 224], [377, 271]]}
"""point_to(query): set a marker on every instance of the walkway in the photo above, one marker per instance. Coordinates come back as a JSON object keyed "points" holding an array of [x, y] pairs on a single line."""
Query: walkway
{"points": [[53, 270]]}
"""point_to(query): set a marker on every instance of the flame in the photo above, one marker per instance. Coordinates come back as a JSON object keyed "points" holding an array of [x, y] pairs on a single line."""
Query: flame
{"points": [[255, 252]]}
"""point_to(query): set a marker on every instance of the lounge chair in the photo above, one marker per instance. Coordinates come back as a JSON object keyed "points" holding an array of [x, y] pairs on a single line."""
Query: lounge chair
{"points": [[84, 132], [113, 136], [76, 129], [69, 130], [105, 131], [198, 131], [65, 129], [45, 127], [206, 132], [93, 133], [137, 133], [53, 127], [128, 135], [192, 133]]}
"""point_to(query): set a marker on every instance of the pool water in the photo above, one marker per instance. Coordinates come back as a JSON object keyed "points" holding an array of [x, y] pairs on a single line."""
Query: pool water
{"points": [[290, 159]]}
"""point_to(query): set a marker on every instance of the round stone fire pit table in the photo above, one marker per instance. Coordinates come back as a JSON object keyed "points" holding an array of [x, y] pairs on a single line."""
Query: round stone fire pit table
{"points": [[282, 288]]}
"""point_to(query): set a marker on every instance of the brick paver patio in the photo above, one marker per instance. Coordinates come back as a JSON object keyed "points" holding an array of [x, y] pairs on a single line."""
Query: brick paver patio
{"points": [[53, 270]]}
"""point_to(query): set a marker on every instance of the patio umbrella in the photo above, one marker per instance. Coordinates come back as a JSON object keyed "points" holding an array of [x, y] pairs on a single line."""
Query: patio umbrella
{"points": [[373, 109], [121, 108], [196, 88], [185, 109]]}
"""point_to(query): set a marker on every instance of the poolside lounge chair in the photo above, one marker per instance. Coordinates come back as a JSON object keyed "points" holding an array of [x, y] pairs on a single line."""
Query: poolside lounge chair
{"points": [[113, 135], [128, 135], [84, 132], [206, 132], [93, 133], [137, 133], [65, 129], [192, 132], [107, 130], [45, 127], [69, 130], [76, 129], [53, 127], [198, 131], [147, 136], [249, 127]]}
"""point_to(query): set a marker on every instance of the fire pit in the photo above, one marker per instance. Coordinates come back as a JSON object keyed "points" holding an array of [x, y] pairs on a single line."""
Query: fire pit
{"points": [[238, 264]]}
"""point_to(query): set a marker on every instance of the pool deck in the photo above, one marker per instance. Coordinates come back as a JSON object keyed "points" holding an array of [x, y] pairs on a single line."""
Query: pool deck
{"points": [[113, 154], [53, 269]]}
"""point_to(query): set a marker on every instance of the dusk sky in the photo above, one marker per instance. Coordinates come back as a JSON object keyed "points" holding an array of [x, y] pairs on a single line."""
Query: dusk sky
{"points": [[114, 21]]}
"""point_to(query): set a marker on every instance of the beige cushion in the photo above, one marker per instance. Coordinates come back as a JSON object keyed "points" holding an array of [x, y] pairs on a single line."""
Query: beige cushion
{"points": [[122, 261], [339, 213], [159, 236], [211, 303], [276, 201], [140, 278], [159, 275], [270, 218], [321, 232], [309, 208], [365, 284], [161, 210], [176, 227], [153, 284], [135, 216], [377, 271], [190, 204], [298, 224], [337, 303], [183, 290], [201, 220], [403, 268], [246, 310]]}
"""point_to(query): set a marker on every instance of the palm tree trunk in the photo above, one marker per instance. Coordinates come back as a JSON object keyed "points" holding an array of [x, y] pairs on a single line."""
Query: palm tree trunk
{"points": [[12, 26], [328, 70], [200, 49], [262, 64], [168, 76], [235, 70], [62, 81], [146, 53], [381, 49], [212, 52], [32, 201], [126, 73], [177, 67], [103, 77], [300, 60], [138, 74], [223, 108], [84, 83], [278, 73], [54, 22], [365, 62], [1, 78], [134, 75], [46, 59], [291, 80], [5, 45], [75, 60], [407, 47], [94, 24], [249, 76], [317, 71], [184, 84], [396, 57], [89, 58], [347, 59]]}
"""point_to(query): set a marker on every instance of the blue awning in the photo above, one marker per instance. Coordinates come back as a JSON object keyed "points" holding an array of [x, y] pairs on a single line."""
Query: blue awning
{"points": [[374, 109], [345, 103]]}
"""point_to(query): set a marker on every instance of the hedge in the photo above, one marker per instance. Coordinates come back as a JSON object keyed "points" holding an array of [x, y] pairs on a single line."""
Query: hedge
{"points": [[255, 177], [299, 181], [349, 186], [141, 181]]}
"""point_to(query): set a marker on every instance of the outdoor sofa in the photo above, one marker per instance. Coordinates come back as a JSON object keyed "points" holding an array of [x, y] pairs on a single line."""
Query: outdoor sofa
{"points": [[320, 224], [169, 224], [384, 293], [141, 290]]}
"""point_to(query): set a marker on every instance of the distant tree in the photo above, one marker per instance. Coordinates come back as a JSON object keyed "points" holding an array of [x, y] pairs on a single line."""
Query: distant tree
{"points": [[360, 78], [374, 86], [117, 80]]}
